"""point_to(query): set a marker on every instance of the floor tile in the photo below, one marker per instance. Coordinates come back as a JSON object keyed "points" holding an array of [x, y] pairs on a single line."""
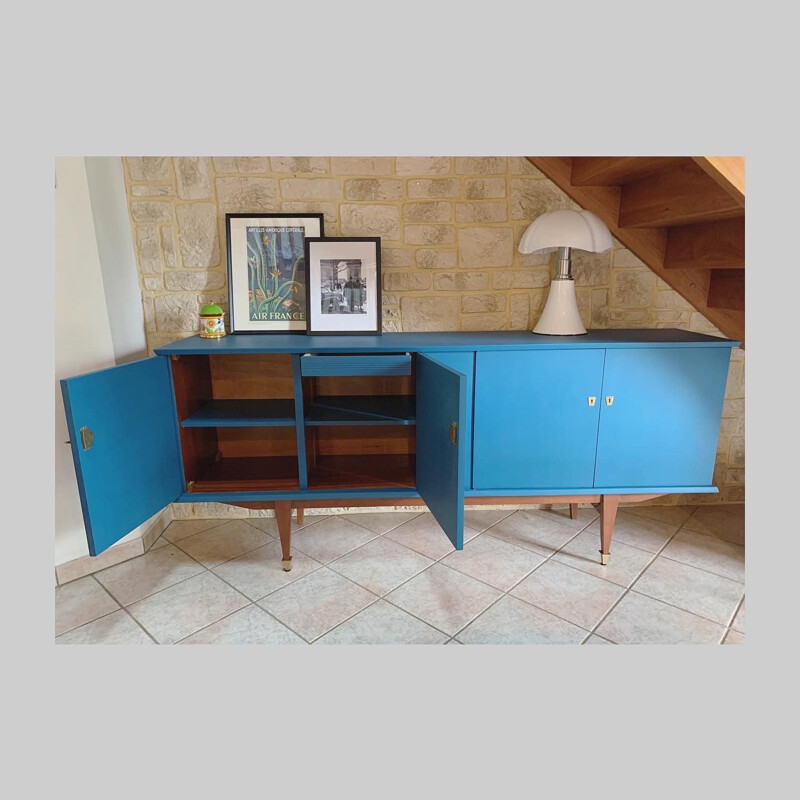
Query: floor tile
{"points": [[383, 623], [270, 524], [540, 531], [223, 542], [641, 620], [734, 637], [81, 601], [738, 620], [424, 534], [331, 539], [568, 593], [695, 590], [251, 625], [595, 639], [453, 641], [155, 570], [674, 515], [316, 603], [624, 564], [511, 621], [259, 572], [181, 528], [381, 565], [638, 531], [115, 628], [381, 522], [723, 521], [483, 519], [707, 552], [444, 598], [162, 541], [183, 609], [494, 561]]}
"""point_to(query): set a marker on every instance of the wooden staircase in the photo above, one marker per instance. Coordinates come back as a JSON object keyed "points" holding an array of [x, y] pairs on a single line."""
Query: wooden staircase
{"points": [[682, 216]]}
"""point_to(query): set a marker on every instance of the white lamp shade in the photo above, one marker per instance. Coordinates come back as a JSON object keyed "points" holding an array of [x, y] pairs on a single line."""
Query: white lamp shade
{"points": [[566, 228]]}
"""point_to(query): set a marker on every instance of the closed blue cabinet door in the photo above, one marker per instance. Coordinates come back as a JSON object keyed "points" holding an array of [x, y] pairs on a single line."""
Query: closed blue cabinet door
{"points": [[125, 446], [660, 416], [535, 424], [465, 364], [441, 408]]}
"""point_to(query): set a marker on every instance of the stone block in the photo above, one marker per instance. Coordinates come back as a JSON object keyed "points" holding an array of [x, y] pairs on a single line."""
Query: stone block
{"points": [[243, 195], [429, 313], [193, 178], [531, 198], [520, 279], [624, 259], [370, 220], [151, 211], [148, 249], [518, 165], [362, 165], [485, 247], [483, 165], [428, 212], [734, 477], [434, 188], [406, 281], [460, 281], [478, 303], [151, 191], [422, 165], [481, 212], [736, 452], [197, 231], [299, 164], [436, 259], [599, 314], [329, 211], [484, 188], [396, 257], [153, 283], [373, 189], [168, 246], [177, 312], [484, 322], [590, 269], [242, 164], [193, 280], [148, 168], [311, 189], [430, 234], [632, 289], [519, 317]]}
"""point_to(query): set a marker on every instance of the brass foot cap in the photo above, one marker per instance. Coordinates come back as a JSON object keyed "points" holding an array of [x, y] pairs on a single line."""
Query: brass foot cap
{"points": [[287, 565], [604, 558]]}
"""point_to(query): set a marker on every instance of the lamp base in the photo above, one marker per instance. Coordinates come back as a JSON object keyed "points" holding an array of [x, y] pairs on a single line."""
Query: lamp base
{"points": [[560, 316]]}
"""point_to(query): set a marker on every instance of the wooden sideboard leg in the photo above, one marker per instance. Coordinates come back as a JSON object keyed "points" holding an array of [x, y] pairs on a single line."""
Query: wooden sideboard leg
{"points": [[299, 511], [608, 514], [283, 513], [573, 511]]}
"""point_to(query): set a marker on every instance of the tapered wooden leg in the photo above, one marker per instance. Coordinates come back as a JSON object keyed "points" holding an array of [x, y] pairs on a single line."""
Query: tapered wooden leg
{"points": [[573, 511], [608, 514], [283, 513], [299, 511]]}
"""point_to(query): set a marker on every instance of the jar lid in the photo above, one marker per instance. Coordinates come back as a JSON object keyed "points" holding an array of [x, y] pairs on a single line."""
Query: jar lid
{"points": [[211, 310]]}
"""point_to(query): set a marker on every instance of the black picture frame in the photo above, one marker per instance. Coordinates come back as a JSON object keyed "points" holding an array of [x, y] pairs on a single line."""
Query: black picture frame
{"points": [[361, 256], [245, 288]]}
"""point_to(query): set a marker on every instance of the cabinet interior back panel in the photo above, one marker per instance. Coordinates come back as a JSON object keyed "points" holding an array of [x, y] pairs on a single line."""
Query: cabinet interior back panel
{"points": [[255, 375]]}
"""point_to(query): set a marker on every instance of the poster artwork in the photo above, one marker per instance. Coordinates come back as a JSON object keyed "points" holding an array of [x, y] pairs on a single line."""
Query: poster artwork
{"points": [[276, 273]]}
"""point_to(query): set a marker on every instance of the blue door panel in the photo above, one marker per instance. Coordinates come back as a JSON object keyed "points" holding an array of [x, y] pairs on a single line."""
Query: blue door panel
{"points": [[662, 426], [534, 425], [465, 364], [133, 467], [441, 401]]}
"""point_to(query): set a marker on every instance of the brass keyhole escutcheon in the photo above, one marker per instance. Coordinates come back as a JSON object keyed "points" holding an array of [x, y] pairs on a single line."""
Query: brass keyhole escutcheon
{"points": [[454, 432], [591, 400], [87, 437], [609, 400]]}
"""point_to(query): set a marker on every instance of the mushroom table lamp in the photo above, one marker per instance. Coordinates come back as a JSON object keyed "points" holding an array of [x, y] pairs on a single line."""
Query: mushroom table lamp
{"points": [[564, 230]]}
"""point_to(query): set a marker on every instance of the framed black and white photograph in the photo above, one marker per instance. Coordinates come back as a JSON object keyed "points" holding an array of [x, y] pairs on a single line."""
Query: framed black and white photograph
{"points": [[267, 270], [343, 290]]}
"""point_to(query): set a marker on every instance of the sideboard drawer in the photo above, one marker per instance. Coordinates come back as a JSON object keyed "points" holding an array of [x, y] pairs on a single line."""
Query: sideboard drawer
{"points": [[355, 365]]}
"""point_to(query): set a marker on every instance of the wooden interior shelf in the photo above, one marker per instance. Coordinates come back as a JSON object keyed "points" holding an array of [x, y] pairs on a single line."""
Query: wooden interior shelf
{"points": [[241, 413], [362, 410], [363, 472], [246, 474]]}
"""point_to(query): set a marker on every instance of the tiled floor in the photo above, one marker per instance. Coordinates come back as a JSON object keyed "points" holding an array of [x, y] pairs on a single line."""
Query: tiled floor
{"points": [[676, 575]]}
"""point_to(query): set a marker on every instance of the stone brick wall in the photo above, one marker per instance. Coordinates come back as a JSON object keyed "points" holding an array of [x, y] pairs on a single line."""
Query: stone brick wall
{"points": [[449, 229]]}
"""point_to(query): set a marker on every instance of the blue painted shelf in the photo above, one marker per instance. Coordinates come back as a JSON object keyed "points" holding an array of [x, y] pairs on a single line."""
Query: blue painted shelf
{"points": [[392, 409], [242, 414]]}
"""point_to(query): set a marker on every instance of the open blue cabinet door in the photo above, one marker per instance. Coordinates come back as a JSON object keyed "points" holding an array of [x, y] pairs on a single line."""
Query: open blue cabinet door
{"points": [[441, 411], [122, 428]]}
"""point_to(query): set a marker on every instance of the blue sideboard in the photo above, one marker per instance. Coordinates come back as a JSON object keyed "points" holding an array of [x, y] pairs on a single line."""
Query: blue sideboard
{"points": [[290, 421]]}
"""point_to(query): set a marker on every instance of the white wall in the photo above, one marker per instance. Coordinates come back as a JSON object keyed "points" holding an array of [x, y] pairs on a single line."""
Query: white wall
{"points": [[112, 230], [83, 337]]}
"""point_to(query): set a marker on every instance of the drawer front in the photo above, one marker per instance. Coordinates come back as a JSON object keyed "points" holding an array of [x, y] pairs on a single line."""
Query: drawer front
{"points": [[355, 365]]}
